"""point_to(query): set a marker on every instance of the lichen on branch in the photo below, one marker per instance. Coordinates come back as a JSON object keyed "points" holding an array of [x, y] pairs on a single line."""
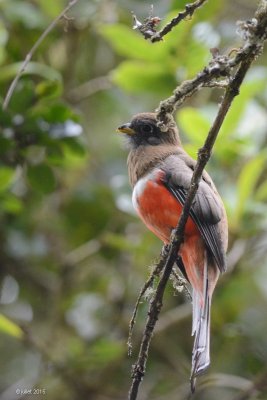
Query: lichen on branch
{"points": [[148, 28]]}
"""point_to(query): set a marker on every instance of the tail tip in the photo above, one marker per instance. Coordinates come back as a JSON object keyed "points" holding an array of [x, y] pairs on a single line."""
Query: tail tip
{"points": [[193, 384], [196, 371]]}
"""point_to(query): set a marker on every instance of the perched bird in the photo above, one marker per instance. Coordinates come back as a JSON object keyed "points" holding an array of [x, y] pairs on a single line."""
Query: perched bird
{"points": [[160, 172]]}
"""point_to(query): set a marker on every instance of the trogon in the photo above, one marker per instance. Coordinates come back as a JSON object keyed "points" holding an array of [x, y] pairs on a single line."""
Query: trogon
{"points": [[160, 172]]}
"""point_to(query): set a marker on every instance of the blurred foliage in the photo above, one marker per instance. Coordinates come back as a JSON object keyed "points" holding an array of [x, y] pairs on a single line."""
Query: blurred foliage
{"points": [[73, 254]]}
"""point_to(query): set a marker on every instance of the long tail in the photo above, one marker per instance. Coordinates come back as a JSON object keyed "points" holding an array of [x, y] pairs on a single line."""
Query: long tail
{"points": [[201, 329]]}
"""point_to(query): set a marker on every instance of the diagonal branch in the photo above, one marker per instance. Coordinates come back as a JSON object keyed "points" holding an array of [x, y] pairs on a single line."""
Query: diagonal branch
{"points": [[188, 12], [253, 31], [29, 56], [244, 59], [148, 27]]}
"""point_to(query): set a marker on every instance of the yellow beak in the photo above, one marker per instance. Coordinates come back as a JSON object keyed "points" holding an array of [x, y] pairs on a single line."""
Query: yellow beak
{"points": [[126, 128]]}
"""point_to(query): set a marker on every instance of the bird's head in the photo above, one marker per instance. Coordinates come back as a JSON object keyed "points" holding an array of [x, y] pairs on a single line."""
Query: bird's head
{"points": [[143, 130]]}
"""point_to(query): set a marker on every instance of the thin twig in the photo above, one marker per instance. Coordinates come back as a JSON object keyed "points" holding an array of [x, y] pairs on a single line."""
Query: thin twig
{"points": [[180, 284], [148, 284], [29, 56], [215, 69], [251, 50], [89, 88], [221, 66], [189, 11], [148, 27]]}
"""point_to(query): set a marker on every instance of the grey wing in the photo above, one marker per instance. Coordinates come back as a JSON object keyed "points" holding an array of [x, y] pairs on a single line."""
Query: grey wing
{"points": [[206, 211]]}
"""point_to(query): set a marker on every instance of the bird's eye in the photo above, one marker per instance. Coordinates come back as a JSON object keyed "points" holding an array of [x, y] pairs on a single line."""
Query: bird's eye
{"points": [[146, 128]]}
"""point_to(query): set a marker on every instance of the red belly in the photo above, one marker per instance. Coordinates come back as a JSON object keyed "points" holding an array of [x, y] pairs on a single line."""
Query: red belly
{"points": [[160, 211]]}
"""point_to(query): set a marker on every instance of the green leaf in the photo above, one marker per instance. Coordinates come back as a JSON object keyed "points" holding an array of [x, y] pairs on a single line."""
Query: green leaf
{"points": [[136, 77], [194, 55], [74, 146], [247, 91], [105, 351], [10, 328], [12, 204], [49, 89], [130, 43], [3, 40], [229, 151], [10, 71], [54, 113], [54, 154], [41, 178], [194, 124], [247, 181], [118, 241], [5, 144], [52, 7], [191, 149], [28, 14], [179, 46], [23, 97], [261, 193], [6, 177], [74, 153]]}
